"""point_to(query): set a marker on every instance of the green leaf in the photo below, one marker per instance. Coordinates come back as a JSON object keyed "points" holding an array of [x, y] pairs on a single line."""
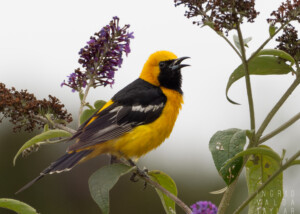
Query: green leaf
{"points": [[99, 104], [103, 180], [86, 114], [261, 65], [246, 41], [254, 151], [46, 127], [40, 138], [237, 42], [17, 206], [167, 182], [258, 169], [224, 145], [279, 53], [272, 30]]}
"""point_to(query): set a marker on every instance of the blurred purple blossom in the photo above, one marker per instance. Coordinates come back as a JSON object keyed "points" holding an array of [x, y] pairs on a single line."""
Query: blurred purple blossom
{"points": [[101, 57], [204, 207]]}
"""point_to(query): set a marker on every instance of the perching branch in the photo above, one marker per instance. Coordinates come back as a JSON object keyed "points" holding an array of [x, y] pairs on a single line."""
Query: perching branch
{"points": [[180, 203], [142, 174]]}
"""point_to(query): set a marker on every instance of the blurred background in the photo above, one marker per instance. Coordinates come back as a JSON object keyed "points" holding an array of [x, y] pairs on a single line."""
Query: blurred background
{"points": [[39, 44]]}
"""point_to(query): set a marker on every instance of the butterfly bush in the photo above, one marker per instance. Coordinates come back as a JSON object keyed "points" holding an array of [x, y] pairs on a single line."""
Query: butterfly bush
{"points": [[101, 57], [22, 107]]}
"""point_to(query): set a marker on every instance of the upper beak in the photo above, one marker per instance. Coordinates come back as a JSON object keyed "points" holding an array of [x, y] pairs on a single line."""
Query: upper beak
{"points": [[176, 64]]}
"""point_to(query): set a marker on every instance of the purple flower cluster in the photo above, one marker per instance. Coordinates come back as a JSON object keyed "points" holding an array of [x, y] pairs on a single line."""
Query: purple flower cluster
{"points": [[204, 207], [101, 57]]}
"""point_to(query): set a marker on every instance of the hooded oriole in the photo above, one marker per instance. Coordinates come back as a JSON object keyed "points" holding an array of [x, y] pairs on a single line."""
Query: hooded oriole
{"points": [[136, 120]]}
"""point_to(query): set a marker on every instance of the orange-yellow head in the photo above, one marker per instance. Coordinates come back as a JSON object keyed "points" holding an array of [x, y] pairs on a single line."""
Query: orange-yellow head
{"points": [[163, 68]]}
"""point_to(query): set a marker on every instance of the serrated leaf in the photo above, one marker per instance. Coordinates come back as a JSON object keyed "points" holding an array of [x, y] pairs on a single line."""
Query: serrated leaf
{"points": [[167, 182], [254, 151], [17, 206], [86, 114], [258, 169], [98, 104], [279, 53], [103, 180], [224, 145], [272, 30], [261, 65], [40, 138]]}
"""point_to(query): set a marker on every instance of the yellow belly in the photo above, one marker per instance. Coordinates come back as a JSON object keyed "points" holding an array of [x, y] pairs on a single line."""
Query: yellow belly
{"points": [[145, 138]]}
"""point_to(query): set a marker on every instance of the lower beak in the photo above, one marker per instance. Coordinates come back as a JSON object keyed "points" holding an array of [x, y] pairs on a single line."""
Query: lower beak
{"points": [[177, 66]]}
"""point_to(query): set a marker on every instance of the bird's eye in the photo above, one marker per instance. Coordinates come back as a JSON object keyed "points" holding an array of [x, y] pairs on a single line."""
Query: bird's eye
{"points": [[162, 64]]}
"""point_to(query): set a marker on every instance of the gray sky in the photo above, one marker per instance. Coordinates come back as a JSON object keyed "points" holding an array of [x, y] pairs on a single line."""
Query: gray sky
{"points": [[39, 42]]}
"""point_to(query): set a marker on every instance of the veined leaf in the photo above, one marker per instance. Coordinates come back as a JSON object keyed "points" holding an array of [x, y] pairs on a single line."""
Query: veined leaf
{"points": [[103, 180], [167, 182], [17, 206], [260, 65], [259, 168], [40, 138], [224, 145]]}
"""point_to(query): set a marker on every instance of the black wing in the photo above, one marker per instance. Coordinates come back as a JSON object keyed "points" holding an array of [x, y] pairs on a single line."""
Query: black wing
{"points": [[136, 104]]}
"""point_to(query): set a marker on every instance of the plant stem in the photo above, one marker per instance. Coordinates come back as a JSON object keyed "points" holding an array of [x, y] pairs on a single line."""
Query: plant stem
{"points": [[276, 108], [82, 101], [282, 168], [247, 78], [226, 197], [57, 125], [280, 128], [266, 42], [142, 174], [228, 194], [156, 185], [231, 45]]}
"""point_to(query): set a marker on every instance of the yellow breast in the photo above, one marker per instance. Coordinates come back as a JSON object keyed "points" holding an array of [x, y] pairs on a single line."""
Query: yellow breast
{"points": [[144, 138]]}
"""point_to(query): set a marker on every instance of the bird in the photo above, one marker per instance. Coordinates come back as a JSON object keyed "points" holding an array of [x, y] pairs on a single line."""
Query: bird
{"points": [[135, 121]]}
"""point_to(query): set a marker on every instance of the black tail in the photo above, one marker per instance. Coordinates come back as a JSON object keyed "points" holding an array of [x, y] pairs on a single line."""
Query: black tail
{"points": [[64, 163]]}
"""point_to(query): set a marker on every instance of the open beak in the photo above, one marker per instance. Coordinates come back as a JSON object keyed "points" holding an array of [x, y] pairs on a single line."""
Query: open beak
{"points": [[176, 64]]}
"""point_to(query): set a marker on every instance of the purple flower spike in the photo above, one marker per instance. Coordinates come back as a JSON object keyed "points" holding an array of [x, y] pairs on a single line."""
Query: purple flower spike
{"points": [[101, 57], [204, 207]]}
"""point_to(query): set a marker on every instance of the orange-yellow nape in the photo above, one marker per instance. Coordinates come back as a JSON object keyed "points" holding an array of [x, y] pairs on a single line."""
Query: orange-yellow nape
{"points": [[151, 70]]}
